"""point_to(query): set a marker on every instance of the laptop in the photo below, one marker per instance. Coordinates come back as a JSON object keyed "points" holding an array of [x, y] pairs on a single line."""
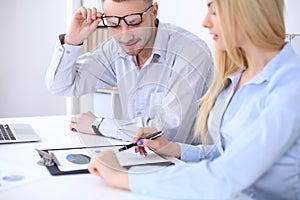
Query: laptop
{"points": [[16, 133]]}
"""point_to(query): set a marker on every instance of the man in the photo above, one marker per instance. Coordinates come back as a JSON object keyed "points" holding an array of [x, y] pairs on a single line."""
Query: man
{"points": [[160, 70]]}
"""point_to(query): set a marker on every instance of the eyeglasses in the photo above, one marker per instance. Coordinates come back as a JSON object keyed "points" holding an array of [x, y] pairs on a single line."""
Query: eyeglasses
{"points": [[131, 19]]}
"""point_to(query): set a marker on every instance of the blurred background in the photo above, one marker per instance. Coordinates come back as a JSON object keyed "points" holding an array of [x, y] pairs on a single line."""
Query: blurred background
{"points": [[28, 35]]}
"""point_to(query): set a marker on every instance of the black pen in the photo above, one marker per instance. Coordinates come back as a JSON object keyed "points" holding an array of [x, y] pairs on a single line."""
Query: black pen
{"points": [[149, 137]]}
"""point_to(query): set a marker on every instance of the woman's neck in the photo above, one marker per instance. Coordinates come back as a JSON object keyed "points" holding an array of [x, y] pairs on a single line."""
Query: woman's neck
{"points": [[257, 59]]}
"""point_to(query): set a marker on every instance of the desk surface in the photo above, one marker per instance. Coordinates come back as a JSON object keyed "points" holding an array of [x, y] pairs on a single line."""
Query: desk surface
{"points": [[37, 182]]}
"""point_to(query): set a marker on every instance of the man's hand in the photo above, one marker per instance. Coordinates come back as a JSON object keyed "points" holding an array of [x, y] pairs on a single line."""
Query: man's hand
{"points": [[84, 23], [83, 123], [106, 165]]}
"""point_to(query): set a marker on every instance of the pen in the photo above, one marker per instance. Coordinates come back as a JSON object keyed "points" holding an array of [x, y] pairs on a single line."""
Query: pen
{"points": [[88, 147], [149, 137], [124, 147]]}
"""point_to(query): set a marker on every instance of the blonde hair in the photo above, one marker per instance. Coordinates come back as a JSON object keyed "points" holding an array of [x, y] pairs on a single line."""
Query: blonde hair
{"points": [[262, 22]]}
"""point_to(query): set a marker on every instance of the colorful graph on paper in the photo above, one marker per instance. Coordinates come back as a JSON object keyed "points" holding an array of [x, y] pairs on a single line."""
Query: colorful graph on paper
{"points": [[79, 159]]}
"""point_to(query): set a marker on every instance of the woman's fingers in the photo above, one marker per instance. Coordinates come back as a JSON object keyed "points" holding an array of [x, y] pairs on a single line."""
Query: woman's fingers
{"points": [[152, 144], [142, 133], [93, 167]]}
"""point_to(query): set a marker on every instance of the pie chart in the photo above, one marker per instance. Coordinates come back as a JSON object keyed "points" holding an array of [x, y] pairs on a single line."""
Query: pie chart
{"points": [[79, 159]]}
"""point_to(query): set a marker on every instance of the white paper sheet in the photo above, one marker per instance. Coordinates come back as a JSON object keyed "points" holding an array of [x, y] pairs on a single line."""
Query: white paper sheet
{"points": [[126, 158]]}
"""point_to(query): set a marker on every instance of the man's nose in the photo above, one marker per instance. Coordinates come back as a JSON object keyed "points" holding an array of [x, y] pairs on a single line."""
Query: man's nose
{"points": [[126, 32]]}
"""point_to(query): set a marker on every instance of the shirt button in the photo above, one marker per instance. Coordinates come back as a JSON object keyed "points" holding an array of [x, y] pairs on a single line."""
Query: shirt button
{"points": [[68, 52], [139, 113], [140, 88]]}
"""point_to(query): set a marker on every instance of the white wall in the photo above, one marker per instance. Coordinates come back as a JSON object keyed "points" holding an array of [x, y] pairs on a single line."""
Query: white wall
{"points": [[28, 34], [292, 15], [187, 14]]}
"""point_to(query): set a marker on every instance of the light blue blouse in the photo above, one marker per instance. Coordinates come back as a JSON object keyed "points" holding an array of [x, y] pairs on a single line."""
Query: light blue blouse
{"points": [[257, 146]]}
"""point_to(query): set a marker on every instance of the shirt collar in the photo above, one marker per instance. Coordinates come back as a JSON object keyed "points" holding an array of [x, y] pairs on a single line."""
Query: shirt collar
{"points": [[161, 41], [270, 69]]}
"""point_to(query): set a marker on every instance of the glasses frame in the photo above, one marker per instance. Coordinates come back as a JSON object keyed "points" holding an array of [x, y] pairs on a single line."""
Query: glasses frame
{"points": [[124, 18]]}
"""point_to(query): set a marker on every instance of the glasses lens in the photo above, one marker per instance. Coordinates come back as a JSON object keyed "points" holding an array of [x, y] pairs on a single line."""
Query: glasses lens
{"points": [[133, 19], [110, 21]]}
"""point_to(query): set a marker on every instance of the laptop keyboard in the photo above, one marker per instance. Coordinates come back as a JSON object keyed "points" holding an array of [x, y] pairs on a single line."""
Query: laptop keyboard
{"points": [[6, 133]]}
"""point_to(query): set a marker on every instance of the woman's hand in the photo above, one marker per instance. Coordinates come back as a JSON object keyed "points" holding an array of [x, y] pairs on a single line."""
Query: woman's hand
{"points": [[106, 165], [159, 145]]}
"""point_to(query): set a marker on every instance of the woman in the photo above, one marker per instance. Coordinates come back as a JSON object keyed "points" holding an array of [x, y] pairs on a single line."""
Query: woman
{"points": [[250, 113]]}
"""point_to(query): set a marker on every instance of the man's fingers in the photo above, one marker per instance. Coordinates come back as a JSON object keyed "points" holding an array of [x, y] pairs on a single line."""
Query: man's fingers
{"points": [[99, 14], [83, 12], [94, 13], [74, 119], [73, 124], [88, 15]]}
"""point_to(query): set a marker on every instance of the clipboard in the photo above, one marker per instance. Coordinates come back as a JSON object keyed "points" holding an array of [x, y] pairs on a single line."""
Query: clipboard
{"points": [[50, 161]]}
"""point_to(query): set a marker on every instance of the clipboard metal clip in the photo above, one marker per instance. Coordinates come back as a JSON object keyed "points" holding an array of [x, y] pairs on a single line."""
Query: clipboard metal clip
{"points": [[47, 159]]}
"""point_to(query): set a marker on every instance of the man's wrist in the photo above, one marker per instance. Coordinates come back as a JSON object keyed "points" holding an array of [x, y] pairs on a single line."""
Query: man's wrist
{"points": [[96, 125], [63, 40]]}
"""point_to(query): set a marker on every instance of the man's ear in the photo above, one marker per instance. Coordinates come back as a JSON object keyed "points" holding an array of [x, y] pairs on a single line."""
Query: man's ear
{"points": [[155, 10]]}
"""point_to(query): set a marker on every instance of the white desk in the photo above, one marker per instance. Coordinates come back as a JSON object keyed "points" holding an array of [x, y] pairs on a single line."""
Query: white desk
{"points": [[55, 133]]}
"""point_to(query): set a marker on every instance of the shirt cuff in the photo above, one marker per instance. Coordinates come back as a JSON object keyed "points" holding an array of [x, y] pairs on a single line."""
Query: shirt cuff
{"points": [[62, 40], [67, 53], [190, 153]]}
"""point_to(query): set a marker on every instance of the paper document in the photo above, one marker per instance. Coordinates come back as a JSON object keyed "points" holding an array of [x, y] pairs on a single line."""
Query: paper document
{"points": [[78, 159]]}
